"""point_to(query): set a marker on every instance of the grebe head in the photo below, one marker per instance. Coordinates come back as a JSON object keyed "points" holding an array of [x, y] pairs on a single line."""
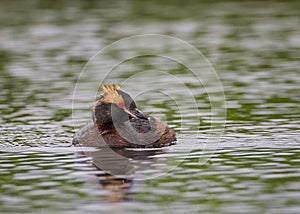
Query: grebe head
{"points": [[111, 96], [115, 103]]}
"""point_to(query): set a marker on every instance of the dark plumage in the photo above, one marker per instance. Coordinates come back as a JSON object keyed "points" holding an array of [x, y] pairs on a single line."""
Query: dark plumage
{"points": [[117, 122]]}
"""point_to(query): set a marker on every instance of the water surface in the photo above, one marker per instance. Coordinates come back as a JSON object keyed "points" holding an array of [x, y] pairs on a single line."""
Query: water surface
{"points": [[253, 168]]}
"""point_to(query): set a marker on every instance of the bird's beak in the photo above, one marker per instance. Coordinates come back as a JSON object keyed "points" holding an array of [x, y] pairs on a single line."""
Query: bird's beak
{"points": [[128, 112]]}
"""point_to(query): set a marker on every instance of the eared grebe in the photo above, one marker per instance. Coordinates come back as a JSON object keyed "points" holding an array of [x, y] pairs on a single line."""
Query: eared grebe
{"points": [[117, 122]]}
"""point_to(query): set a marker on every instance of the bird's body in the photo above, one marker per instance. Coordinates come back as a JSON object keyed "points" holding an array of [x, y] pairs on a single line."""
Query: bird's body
{"points": [[117, 122]]}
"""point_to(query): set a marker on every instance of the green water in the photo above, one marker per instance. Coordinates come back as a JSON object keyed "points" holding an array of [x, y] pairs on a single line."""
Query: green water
{"points": [[251, 164]]}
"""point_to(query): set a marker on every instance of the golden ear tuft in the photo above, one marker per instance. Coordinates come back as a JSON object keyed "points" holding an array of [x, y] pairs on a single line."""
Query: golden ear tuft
{"points": [[110, 88], [110, 94], [117, 86]]}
